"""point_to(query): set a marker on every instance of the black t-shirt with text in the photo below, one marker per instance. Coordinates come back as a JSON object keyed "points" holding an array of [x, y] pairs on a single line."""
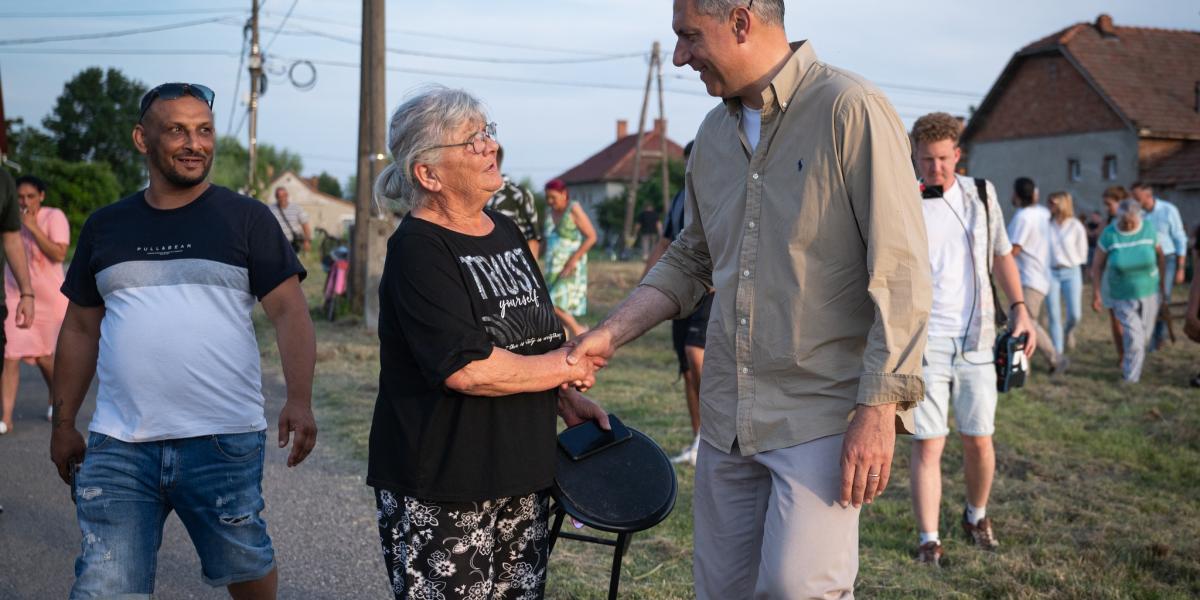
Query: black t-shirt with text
{"points": [[447, 299]]}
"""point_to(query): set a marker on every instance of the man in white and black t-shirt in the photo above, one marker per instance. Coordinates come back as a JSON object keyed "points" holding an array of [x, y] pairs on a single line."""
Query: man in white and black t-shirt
{"points": [[293, 221], [161, 289]]}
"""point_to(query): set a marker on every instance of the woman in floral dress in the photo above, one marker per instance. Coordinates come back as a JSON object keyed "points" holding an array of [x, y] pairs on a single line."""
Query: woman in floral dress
{"points": [[569, 236]]}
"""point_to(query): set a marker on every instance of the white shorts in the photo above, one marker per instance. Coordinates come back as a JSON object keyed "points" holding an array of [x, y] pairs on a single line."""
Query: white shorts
{"points": [[966, 381]]}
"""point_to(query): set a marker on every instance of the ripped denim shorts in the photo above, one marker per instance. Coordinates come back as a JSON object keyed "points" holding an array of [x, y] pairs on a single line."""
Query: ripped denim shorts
{"points": [[124, 491]]}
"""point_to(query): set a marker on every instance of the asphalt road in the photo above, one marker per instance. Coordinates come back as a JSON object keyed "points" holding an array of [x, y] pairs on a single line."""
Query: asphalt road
{"points": [[320, 515]]}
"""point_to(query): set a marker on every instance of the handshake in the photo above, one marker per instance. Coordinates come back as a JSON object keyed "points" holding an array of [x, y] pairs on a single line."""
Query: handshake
{"points": [[583, 356]]}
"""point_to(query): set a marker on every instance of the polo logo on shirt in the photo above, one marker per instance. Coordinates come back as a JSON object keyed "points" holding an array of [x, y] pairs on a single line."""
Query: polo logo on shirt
{"points": [[163, 249], [800, 165]]}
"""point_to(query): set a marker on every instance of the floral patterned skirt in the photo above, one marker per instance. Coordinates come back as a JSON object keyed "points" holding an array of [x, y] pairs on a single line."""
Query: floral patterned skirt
{"points": [[465, 550]]}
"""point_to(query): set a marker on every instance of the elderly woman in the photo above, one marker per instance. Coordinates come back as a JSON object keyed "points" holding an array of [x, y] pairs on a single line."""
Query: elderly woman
{"points": [[462, 446], [45, 234], [1128, 254], [569, 236]]}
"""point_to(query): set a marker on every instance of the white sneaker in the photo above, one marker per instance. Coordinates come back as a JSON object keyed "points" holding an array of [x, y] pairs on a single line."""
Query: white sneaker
{"points": [[689, 454], [3, 428], [50, 413]]}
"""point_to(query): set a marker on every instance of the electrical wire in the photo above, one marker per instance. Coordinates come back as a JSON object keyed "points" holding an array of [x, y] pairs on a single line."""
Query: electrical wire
{"points": [[148, 52], [237, 82], [130, 13], [284, 22], [110, 34]]}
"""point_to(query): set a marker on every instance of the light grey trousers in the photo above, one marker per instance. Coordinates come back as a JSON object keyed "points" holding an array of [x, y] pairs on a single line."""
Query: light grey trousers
{"points": [[769, 526], [1137, 318]]}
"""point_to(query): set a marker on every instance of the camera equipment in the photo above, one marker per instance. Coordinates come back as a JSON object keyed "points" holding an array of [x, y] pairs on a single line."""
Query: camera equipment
{"points": [[1011, 363]]}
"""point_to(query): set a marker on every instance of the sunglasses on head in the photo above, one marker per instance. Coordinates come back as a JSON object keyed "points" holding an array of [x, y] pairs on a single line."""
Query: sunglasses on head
{"points": [[173, 91]]}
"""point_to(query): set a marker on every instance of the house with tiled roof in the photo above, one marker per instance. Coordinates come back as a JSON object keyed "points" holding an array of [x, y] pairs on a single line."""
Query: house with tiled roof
{"points": [[1092, 106], [606, 174]]}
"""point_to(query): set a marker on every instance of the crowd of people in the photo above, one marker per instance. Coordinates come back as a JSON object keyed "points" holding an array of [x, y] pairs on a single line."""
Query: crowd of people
{"points": [[849, 298]]}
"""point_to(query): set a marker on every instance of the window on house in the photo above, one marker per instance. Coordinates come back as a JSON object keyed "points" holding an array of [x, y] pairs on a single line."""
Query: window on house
{"points": [[1110, 168], [1074, 172]]}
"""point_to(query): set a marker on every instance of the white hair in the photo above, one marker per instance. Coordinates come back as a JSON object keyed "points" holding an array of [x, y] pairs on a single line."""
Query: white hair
{"points": [[425, 120], [767, 11], [1130, 208]]}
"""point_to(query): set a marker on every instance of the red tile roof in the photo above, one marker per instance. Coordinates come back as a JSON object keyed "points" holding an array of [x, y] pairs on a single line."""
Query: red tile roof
{"points": [[1182, 166], [615, 163], [1149, 76]]}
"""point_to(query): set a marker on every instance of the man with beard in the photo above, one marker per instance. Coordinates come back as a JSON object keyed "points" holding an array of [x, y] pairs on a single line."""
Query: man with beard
{"points": [[161, 290]]}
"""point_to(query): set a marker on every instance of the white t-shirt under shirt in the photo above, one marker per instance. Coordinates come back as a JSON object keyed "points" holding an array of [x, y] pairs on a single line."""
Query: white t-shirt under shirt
{"points": [[950, 259], [752, 125], [1030, 229]]}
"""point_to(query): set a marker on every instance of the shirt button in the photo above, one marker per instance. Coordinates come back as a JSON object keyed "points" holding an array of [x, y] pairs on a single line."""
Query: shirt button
{"points": [[752, 225], [742, 320], [746, 273], [783, 104], [745, 370], [754, 176]]}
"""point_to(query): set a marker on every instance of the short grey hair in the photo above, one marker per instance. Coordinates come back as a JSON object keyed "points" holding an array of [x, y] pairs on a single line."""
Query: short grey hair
{"points": [[1131, 208], [426, 119], [767, 11]]}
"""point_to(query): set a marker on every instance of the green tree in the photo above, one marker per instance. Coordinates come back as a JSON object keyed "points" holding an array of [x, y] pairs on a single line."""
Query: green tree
{"points": [[78, 188], [611, 212], [28, 144], [329, 184], [229, 165], [91, 122]]}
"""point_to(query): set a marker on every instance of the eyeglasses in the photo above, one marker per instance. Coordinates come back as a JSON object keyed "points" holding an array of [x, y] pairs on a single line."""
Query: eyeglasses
{"points": [[477, 143], [173, 91]]}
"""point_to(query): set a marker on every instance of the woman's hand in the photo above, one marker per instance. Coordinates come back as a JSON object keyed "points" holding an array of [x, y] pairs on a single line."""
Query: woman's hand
{"points": [[575, 408], [567, 269], [1096, 304], [582, 374]]}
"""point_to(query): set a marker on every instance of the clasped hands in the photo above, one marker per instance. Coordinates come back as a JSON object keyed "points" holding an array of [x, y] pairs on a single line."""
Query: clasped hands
{"points": [[585, 355]]}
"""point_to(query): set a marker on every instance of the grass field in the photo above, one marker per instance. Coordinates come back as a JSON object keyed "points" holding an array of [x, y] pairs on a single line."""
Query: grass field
{"points": [[1095, 495]]}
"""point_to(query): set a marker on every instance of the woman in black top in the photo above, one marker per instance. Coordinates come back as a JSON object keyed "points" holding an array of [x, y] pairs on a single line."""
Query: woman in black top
{"points": [[463, 438]]}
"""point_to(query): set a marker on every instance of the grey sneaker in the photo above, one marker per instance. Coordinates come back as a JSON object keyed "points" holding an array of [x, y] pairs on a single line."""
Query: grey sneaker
{"points": [[981, 534], [1060, 366], [930, 553]]}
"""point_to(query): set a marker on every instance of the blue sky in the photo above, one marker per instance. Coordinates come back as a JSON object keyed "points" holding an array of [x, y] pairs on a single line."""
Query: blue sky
{"points": [[957, 48]]}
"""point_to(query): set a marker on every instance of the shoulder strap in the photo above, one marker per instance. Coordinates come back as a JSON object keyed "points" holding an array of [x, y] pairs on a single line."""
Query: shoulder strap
{"points": [[981, 188]]}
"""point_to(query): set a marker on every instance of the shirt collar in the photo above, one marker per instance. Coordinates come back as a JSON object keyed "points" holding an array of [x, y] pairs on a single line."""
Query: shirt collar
{"points": [[786, 82]]}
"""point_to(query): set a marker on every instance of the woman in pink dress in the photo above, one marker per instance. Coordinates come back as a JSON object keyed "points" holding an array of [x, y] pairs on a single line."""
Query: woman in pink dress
{"points": [[46, 235]]}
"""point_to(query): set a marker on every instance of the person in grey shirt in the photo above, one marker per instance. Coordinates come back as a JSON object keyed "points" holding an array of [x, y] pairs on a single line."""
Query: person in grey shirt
{"points": [[292, 220]]}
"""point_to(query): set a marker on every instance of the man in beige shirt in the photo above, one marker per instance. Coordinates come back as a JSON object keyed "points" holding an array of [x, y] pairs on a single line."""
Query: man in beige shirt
{"points": [[806, 219]]}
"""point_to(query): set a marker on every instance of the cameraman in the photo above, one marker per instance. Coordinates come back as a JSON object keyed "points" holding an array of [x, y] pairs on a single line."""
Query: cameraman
{"points": [[967, 247]]}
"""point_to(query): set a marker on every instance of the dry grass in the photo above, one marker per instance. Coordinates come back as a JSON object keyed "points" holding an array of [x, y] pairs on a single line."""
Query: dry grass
{"points": [[1094, 497]]}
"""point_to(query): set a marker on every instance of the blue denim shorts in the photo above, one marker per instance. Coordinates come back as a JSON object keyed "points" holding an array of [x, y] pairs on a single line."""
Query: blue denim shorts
{"points": [[124, 491]]}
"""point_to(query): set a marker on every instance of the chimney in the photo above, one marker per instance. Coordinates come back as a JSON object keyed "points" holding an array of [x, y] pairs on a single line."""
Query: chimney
{"points": [[622, 128], [660, 126], [1104, 24]]}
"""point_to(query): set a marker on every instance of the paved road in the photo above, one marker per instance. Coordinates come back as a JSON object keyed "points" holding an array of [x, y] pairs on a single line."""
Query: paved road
{"points": [[320, 516]]}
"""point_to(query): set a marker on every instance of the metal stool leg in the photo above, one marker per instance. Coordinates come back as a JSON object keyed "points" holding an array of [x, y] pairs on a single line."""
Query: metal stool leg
{"points": [[559, 514], [614, 580]]}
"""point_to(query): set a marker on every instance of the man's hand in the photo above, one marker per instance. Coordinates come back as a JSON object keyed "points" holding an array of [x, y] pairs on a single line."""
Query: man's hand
{"points": [[307, 245], [24, 316], [867, 454], [594, 346], [1022, 324], [1179, 274], [66, 448], [575, 408], [297, 418]]}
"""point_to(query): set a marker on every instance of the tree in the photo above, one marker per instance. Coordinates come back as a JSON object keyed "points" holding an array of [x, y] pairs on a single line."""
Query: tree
{"points": [[78, 188], [28, 144], [611, 212], [229, 165], [92, 120], [328, 184]]}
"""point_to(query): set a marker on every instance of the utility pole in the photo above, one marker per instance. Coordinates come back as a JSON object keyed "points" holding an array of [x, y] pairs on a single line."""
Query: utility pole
{"points": [[372, 156], [631, 199], [256, 73], [662, 142]]}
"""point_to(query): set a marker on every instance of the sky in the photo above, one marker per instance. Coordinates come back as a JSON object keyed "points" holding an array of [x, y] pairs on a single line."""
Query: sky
{"points": [[523, 59]]}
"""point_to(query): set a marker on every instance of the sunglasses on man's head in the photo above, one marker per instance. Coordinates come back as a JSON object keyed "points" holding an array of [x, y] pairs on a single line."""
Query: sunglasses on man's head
{"points": [[173, 91]]}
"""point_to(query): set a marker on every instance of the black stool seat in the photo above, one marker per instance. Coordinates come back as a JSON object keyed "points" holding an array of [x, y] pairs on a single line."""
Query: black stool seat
{"points": [[623, 489]]}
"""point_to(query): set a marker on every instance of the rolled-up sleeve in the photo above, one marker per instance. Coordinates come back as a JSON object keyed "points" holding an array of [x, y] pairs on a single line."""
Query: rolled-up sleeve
{"points": [[684, 273], [882, 189], [1178, 234]]}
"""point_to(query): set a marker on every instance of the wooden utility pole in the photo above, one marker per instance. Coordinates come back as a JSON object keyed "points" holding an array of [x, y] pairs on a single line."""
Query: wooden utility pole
{"points": [[631, 198], [372, 156], [256, 73], [662, 142]]}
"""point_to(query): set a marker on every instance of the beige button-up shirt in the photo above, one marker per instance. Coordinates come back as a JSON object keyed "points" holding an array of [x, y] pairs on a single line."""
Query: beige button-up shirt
{"points": [[815, 243]]}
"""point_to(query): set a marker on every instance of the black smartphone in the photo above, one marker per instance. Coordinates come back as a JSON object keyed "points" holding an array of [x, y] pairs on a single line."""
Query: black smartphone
{"points": [[586, 439]]}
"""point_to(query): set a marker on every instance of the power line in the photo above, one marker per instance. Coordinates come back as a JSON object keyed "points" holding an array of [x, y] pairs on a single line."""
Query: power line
{"points": [[237, 82], [148, 52], [130, 13], [489, 42], [109, 34], [284, 22], [466, 58]]}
